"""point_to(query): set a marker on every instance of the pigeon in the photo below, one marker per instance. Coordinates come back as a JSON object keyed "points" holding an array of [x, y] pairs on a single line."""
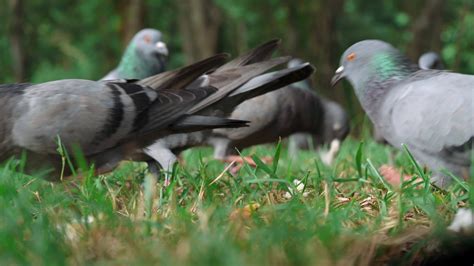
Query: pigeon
{"points": [[105, 122], [335, 117], [428, 60], [278, 114], [162, 154], [145, 56], [429, 111]]}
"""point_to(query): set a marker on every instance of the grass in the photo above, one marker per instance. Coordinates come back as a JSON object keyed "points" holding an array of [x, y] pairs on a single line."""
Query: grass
{"points": [[349, 215]]}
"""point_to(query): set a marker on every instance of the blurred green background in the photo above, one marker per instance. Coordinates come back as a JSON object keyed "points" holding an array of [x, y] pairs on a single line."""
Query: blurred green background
{"points": [[55, 39]]}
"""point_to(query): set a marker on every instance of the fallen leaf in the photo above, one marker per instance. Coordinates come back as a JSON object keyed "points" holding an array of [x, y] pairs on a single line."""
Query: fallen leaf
{"points": [[244, 212]]}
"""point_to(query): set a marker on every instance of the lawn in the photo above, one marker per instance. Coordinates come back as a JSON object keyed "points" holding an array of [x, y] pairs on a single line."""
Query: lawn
{"points": [[346, 214]]}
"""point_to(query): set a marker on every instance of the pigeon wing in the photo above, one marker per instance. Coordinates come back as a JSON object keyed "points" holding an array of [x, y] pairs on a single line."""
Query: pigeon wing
{"points": [[434, 114]]}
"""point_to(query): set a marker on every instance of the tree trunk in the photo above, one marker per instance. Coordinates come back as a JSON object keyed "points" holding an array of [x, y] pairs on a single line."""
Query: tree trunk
{"points": [[426, 29], [133, 17], [292, 39], [199, 23], [323, 39], [16, 39]]}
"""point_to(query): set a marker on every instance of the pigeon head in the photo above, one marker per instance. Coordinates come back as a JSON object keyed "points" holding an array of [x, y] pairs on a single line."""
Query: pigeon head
{"points": [[430, 60], [145, 55], [303, 84], [372, 61]]}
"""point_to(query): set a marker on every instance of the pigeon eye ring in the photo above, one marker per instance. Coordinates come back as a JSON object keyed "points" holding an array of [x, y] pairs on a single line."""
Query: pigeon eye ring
{"points": [[351, 57], [147, 38]]}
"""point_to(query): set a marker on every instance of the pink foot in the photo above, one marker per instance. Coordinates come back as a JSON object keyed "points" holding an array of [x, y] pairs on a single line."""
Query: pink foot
{"points": [[392, 175], [239, 162]]}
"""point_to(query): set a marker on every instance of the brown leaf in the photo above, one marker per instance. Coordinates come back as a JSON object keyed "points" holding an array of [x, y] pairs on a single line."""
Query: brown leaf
{"points": [[245, 212]]}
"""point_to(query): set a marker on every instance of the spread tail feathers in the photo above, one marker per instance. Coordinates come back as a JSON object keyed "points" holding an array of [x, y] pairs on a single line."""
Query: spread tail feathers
{"points": [[263, 84], [231, 79], [180, 78], [272, 81], [261, 53]]}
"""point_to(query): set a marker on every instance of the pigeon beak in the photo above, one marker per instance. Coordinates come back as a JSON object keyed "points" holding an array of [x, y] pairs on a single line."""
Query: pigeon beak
{"points": [[337, 76], [161, 48]]}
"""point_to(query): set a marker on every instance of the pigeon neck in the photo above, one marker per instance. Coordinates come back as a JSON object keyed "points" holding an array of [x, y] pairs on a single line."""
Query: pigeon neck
{"points": [[386, 71], [129, 66], [392, 66]]}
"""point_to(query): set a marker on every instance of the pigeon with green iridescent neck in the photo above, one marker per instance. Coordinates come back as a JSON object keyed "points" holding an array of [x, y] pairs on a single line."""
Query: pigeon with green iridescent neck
{"points": [[430, 111], [145, 56]]}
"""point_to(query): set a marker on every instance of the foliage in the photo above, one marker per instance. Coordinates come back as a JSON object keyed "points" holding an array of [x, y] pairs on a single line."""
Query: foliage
{"points": [[65, 39], [342, 216]]}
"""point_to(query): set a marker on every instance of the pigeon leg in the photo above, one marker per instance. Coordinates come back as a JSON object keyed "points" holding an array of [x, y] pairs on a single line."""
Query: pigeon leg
{"points": [[299, 141], [223, 152], [221, 147], [328, 157], [155, 168], [163, 157]]}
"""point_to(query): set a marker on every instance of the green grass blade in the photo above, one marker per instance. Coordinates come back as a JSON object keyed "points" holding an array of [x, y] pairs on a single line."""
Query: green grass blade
{"points": [[358, 158], [263, 166], [376, 173], [415, 163], [276, 157], [274, 180]]}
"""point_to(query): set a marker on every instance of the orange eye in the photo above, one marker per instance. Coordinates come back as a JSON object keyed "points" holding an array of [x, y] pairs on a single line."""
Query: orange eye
{"points": [[351, 57], [147, 38]]}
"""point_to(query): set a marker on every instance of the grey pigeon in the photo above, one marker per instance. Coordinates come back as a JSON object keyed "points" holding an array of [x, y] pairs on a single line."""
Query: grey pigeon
{"points": [[111, 121], [145, 56], [162, 154], [429, 60], [278, 114], [336, 124], [430, 111]]}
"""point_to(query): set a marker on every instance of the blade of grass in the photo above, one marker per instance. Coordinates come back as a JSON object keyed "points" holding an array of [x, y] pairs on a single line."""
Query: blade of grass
{"points": [[319, 177], [417, 166], [344, 180], [263, 166], [276, 157], [460, 182], [277, 180], [358, 158], [377, 174]]}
